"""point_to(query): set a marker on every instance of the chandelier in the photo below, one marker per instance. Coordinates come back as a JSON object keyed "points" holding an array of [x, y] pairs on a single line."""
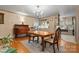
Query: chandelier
{"points": [[38, 13]]}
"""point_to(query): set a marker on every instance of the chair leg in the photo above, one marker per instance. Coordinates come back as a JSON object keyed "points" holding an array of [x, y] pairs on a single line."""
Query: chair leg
{"points": [[57, 46], [33, 38], [29, 40], [45, 44], [37, 39], [54, 48]]}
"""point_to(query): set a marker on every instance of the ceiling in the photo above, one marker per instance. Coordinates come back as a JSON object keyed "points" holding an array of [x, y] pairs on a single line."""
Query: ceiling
{"points": [[48, 10]]}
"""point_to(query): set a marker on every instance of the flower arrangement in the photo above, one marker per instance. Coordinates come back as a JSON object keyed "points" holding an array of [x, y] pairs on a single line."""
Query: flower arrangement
{"points": [[6, 40]]}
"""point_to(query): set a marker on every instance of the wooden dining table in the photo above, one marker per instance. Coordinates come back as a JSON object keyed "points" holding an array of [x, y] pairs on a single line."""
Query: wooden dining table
{"points": [[41, 34]]}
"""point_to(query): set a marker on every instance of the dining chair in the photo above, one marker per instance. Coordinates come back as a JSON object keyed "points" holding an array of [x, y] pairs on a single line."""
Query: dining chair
{"points": [[54, 41]]}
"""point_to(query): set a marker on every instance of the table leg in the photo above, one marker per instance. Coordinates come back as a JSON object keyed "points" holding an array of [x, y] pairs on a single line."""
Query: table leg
{"points": [[37, 39], [29, 39], [43, 46]]}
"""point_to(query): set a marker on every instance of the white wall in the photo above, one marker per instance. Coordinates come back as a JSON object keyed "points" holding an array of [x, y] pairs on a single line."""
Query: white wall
{"points": [[10, 19], [30, 21]]}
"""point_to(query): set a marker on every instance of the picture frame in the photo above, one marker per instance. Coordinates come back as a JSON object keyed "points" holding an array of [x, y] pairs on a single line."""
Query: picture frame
{"points": [[1, 18]]}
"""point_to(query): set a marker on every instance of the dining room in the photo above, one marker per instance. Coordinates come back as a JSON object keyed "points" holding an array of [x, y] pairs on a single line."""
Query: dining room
{"points": [[40, 28]]}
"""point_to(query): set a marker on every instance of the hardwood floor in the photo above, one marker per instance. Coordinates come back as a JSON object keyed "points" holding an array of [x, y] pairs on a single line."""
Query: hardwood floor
{"points": [[68, 46], [19, 46]]}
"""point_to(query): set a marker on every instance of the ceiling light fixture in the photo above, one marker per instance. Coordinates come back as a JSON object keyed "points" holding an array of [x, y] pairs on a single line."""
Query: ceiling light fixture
{"points": [[38, 13]]}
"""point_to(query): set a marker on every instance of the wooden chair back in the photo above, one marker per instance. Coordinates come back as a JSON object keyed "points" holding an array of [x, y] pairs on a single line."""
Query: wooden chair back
{"points": [[57, 35]]}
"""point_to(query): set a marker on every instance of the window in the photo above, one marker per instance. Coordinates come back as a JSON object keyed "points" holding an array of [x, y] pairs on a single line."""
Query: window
{"points": [[44, 24], [1, 18], [41, 24]]}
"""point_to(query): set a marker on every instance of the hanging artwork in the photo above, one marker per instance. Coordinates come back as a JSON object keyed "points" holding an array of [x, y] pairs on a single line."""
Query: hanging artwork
{"points": [[1, 18]]}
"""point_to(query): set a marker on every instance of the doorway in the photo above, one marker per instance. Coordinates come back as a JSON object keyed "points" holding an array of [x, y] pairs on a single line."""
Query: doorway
{"points": [[67, 25]]}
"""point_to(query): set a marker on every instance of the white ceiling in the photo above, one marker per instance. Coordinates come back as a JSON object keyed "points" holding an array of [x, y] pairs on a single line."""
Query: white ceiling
{"points": [[48, 10]]}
